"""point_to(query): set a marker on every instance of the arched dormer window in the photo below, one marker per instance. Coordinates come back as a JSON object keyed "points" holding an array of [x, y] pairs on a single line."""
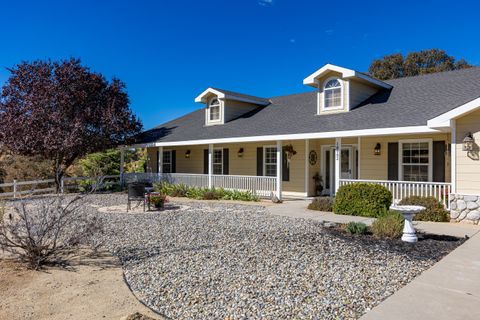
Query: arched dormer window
{"points": [[332, 95], [214, 110]]}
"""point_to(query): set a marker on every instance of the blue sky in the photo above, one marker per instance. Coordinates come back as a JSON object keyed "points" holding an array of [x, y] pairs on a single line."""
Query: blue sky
{"points": [[167, 52]]}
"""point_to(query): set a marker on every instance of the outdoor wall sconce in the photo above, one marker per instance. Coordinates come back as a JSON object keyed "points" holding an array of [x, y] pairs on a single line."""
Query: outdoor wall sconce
{"points": [[468, 142], [240, 153], [377, 150], [187, 154]]}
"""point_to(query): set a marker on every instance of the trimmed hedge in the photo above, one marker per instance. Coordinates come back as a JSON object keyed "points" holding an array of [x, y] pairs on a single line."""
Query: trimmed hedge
{"points": [[434, 209], [362, 199], [322, 204]]}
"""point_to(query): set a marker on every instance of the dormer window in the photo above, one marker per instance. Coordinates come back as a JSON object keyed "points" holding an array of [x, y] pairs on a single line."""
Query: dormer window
{"points": [[332, 95], [214, 110]]}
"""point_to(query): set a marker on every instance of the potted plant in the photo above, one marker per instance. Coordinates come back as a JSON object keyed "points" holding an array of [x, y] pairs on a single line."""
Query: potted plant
{"points": [[157, 200]]}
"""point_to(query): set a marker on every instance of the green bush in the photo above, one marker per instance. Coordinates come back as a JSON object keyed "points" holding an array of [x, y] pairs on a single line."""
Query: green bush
{"points": [[434, 209], [356, 228], [362, 199], [182, 190], [389, 225], [321, 204]]}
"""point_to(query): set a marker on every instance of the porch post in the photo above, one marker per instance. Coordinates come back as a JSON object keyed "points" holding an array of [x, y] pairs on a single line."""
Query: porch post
{"points": [[279, 170], [122, 165], [338, 156], [160, 160], [453, 156], [359, 150], [210, 165], [307, 167]]}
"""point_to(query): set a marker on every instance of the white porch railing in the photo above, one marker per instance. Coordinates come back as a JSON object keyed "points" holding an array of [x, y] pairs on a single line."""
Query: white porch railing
{"points": [[261, 186], [403, 189]]}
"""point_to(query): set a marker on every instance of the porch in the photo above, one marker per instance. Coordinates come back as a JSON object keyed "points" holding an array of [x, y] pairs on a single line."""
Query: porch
{"points": [[407, 164]]}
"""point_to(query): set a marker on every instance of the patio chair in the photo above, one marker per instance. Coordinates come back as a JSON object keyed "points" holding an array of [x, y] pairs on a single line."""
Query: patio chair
{"points": [[136, 192]]}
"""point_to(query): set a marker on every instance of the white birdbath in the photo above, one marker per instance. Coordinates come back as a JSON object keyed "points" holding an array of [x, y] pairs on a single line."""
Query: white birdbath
{"points": [[408, 212]]}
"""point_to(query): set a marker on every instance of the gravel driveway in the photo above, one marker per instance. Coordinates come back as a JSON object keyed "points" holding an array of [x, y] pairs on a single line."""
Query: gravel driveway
{"points": [[223, 261]]}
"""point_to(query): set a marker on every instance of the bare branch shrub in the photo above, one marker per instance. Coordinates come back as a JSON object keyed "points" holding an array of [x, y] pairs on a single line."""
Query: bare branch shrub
{"points": [[42, 230]]}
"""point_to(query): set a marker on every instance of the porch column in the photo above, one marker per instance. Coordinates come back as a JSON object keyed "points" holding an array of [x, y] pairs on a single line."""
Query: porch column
{"points": [[307, 167], [359, 150], [279, 170], [453, 156], [338, 156], [210, 165], [160, 160], [122, 165]]}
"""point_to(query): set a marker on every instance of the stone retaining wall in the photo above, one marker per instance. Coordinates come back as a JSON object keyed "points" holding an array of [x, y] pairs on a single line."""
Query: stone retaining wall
{"points": [[465, 208]]}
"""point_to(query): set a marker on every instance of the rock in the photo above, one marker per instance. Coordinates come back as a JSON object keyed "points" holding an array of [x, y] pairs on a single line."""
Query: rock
{"points": [[454, 214], [472, 205], [453, 205], [462, 215], [473, 215], [461, 205], [470, 198]]}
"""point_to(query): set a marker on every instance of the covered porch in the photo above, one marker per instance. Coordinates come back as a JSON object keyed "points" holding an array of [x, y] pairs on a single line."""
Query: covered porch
{"points": [[407, 164]]}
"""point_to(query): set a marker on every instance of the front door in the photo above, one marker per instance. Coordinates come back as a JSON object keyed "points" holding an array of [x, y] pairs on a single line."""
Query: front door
{"points": [[328, 170]]}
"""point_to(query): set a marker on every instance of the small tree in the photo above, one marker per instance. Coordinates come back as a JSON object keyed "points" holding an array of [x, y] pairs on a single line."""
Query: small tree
{"points": [[415, 63], [63, 111]]}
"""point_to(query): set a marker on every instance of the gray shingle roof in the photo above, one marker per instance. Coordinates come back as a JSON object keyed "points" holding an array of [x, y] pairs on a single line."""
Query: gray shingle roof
{"points": [[411, 102]]}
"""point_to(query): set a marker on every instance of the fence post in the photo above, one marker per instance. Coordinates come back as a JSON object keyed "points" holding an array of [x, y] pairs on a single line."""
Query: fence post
{"points": [[14, 188], [61, 186]]}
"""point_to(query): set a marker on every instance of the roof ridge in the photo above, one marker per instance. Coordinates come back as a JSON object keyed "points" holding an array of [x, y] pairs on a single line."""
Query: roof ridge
{"points": [[431, 74]]}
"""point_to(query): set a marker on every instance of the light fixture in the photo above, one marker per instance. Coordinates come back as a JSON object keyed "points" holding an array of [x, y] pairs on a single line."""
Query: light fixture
{"points": [[187, 154], [468, 142], [240, 153], [377, 150]]}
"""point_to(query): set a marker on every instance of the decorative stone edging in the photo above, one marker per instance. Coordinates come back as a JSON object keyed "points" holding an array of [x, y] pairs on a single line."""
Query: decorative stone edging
{"points": [[465, 208]]}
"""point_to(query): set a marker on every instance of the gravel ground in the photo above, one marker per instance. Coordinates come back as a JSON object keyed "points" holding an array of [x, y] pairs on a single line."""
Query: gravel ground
{"points": [[223, 261]]}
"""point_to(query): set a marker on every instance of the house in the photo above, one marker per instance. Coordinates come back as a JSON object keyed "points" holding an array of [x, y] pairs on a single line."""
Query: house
{"points": [[414, 135]]}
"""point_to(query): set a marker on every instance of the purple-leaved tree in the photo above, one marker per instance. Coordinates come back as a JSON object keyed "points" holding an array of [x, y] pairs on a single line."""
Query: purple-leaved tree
{"points": [[62, 110]]}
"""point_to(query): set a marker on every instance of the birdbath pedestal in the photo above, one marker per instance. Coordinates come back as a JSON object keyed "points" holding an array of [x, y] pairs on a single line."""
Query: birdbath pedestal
{"points": [[408, 212]]}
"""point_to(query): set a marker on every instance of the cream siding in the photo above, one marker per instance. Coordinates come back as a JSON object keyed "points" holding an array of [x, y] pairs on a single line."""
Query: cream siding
{"points": [[468, 164], [359, 92], [234, 109]]}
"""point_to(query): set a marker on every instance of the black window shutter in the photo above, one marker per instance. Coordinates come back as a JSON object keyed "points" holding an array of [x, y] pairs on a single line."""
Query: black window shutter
{"points": [[205, 161], [158, 160], [285, 167], [393, 161], [438, 161], [225, 161], [174, 161], [260, 161]]}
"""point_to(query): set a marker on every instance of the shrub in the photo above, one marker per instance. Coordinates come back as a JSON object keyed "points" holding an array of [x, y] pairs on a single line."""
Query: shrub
{"points": [[47, 229], [183, 190], [389, 225], [362, 199], [321, 204], [434, 209], [356, 228], [158, 200]]}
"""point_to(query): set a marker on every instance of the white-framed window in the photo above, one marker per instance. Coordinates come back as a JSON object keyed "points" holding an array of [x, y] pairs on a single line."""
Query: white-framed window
{"points": [[415, 158], [167, 161], [214, 110], [332, 94], [217, 161], [270, 161]]}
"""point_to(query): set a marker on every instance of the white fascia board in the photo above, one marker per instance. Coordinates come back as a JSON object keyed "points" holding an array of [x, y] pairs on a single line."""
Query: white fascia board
{"points": [[300, 136], [443, 120], [201, 97], [346, 73]]}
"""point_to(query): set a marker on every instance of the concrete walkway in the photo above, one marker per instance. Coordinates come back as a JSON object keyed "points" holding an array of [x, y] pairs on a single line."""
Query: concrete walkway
{"points": [[450, 290], [298, 209]]}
